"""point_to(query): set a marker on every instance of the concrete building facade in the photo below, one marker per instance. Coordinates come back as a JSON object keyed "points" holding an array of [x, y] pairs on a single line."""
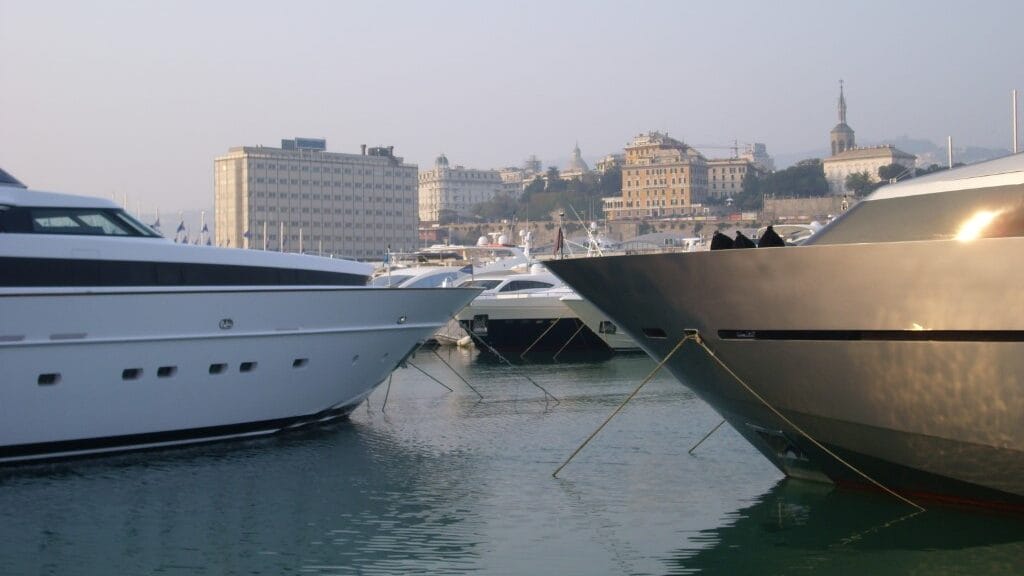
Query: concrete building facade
{"points": [[725, 176], [351, 205], [661, 177], [455, 190]]}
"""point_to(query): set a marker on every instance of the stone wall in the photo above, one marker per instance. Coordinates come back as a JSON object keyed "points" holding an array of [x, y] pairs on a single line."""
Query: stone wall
{"points": [[804, 210]]}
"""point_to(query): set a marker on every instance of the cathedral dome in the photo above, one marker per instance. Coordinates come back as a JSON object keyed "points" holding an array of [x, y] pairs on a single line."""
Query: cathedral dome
{"points": [[576, 164]]}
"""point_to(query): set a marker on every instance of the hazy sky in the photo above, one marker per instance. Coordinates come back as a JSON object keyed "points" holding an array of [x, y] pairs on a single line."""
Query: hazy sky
{"points": [[138, 97]]}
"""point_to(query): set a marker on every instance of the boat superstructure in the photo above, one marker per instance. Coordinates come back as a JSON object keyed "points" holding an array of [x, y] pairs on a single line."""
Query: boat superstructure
{"points": [[892, 339], [114, 338], [524, 313]]}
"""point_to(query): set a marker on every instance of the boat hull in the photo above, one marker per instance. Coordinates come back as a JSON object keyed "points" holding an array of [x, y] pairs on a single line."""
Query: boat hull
{"points": [[529, 325], [100, 370], [600, 325], [905, 359]]}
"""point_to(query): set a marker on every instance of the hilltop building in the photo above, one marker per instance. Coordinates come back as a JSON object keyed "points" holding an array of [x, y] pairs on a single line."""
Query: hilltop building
{"points": [[662, 176], [577, 168], [515, 180], [757, 154], [609, 162], [353, 205], [725, 176], [848, 159], [453, 191]]}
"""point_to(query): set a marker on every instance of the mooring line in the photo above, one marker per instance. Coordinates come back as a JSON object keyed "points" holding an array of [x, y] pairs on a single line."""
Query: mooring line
{"points": [[464, 381], [567, 342], [700, 341], [476, 338], [387, 392], [621, 406], [542, 335], [428, 375], [706, 436]]}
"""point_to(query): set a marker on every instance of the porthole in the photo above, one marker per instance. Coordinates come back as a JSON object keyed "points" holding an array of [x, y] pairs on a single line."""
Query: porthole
{"points": [[218, 368], [48, 379], [166, 371], [247, 367], [131, 373], [300, 362]]}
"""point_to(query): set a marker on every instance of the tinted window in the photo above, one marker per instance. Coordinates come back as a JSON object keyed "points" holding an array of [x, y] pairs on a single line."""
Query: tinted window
{"points": [[517, 285], [485, 284], [78, 221]]}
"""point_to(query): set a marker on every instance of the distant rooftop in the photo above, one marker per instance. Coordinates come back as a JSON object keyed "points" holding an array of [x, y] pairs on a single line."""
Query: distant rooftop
{"points": [[304, 144]]}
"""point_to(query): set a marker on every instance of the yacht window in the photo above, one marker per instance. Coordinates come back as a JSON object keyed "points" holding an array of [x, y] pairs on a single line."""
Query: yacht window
{"points": [[77, 221], [485, 284], [517, 285]]}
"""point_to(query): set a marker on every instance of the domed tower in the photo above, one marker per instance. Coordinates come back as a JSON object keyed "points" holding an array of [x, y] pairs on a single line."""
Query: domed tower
{"points": [[576, 164], [441, 162], [842, 134]]}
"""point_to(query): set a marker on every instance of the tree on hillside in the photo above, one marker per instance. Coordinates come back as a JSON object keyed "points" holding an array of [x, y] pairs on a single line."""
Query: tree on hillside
{"points": [[892, 172], [806, 179], [502, 206], [610, 183], [555, 182], [860, 183]]}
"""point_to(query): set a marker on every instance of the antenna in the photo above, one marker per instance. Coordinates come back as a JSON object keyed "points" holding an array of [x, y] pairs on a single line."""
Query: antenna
{"points": [[1014, 107]]}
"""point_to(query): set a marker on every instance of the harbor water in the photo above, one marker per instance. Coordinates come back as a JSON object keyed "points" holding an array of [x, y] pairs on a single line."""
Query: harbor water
{"points": [[425, 480]]}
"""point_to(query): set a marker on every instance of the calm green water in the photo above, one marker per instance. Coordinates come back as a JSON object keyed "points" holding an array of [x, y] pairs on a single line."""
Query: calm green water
{"points": [[444, 483]]}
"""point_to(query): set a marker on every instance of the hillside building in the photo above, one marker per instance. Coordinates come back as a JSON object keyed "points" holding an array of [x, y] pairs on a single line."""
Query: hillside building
{"points": [[661, 177]]}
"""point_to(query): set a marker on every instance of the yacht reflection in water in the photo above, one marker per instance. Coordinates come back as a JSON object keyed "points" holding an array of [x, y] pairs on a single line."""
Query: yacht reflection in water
{"points": [[801, 527]]}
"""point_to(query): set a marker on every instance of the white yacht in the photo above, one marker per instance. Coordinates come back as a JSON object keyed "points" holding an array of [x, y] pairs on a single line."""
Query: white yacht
{"points": [[113, 338], [524, 315], [889, 345]]}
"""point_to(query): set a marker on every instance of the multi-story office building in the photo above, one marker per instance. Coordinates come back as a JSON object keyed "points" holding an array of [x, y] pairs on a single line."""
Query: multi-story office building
{"points": [[453, 191], [353, 205], [661, 177]]}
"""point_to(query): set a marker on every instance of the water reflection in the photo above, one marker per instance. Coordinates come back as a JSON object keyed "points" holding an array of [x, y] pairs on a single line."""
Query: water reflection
{"points": [[803, 528], [308, 502]]}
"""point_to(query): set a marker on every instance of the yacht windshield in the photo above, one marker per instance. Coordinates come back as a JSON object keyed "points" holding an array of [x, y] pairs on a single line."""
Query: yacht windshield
{"points": [[75, 221]]}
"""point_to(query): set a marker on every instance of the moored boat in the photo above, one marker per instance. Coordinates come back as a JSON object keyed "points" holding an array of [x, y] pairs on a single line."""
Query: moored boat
{"points": [[888, 346], [113, 338], [523, 315]]}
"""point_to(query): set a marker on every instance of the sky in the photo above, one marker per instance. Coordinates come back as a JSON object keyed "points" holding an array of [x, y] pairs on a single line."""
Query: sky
{"points": [[136, 98]]}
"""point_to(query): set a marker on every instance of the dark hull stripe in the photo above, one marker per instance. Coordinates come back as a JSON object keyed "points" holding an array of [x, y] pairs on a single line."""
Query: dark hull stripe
{"points": [[73, 448], [70, 272], [877, 335], [516, 336]]}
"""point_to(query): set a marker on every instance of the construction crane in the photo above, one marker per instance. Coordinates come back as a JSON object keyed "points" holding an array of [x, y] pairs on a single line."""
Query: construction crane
{"points": [[735, 147]]}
